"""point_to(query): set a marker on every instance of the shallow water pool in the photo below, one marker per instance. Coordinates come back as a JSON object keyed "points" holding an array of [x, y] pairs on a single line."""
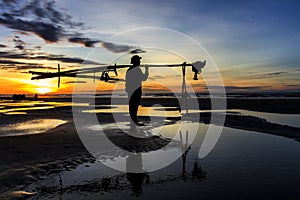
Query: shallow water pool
{"points": [[30, 127]]}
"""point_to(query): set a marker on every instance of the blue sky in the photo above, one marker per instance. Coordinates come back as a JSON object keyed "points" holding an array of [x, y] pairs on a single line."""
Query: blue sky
{"points": [[253, 43]]}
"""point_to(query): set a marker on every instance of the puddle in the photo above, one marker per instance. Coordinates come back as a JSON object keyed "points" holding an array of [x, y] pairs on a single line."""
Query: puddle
{"points": [[142, 111], [284, 119], [158, 112], [5, 111], [13, 107], [184, 132], [30, 127], [108, 109], [113, 157], [16, 113], [241, 159]]}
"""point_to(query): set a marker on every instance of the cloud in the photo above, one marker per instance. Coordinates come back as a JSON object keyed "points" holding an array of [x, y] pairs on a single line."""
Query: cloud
{"points": [[19, 44], [136, 51], [249, 88], [47, 31], [2, 46], [265, 75], [64, 59], [44, 56], [72, 82], [239, 88], [41, 18], [275, 73], [14, 61], [58, 58], [19, 66], [155, 77], [121, 48], [34, 66], [38, 47], [292, 85], [10, 62], [117, 48], [84, 41], [45, 20], [229, 88], [10, 54], [159, 77]]}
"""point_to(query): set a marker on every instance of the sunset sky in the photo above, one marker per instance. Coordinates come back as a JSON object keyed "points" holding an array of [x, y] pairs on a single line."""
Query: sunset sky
{"points": [[255, 44]]}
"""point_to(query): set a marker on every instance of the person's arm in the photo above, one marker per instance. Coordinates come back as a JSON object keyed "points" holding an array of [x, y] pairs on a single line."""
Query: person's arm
{"points": [[145, 76]]}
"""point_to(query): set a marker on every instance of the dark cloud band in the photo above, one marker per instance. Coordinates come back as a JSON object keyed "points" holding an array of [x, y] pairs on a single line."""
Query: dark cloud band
{"points": [[84, 41]]}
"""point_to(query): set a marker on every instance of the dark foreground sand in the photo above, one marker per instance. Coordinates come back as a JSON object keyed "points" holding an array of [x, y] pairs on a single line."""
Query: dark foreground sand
{"points": [[26, 159]]}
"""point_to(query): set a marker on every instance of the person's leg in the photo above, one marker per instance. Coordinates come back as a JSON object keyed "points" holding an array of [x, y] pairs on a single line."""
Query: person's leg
{"points": [[132, 108], [138, 97], [134, 103]]}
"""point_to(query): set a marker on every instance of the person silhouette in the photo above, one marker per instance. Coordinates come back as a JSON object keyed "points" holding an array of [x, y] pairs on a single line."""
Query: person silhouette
{"points": [[133, 86], [136, 175]]}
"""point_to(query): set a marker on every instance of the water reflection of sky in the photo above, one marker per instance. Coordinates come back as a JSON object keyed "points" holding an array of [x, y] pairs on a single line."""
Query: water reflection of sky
{"points": [[143, 110], [180, 133], [286, 119], [242, 165], [30, 127], [11, 107]]}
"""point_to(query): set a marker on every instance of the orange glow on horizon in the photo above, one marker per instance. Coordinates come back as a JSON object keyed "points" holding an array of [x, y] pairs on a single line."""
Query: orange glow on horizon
{"points": [[20, 83]]}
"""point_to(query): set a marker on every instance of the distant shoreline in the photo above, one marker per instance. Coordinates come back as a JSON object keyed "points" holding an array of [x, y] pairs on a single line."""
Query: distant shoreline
{"points": [[267, 94], [287, 105]]}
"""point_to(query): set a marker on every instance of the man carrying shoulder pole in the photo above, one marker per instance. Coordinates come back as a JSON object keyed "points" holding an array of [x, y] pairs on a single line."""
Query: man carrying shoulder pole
{"points": [[133, 86]]}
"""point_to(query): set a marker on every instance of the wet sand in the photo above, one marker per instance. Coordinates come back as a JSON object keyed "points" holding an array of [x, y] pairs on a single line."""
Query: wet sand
{"points": [[31, 157], [26, 159]]}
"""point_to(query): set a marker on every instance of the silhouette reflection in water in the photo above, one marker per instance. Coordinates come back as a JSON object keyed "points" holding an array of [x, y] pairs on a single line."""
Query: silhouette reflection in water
{"points": [[135, 173], [136, 177]]}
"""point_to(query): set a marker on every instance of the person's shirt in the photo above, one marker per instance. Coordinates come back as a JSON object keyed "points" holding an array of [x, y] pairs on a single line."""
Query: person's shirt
{"points": [[134, 77]]}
